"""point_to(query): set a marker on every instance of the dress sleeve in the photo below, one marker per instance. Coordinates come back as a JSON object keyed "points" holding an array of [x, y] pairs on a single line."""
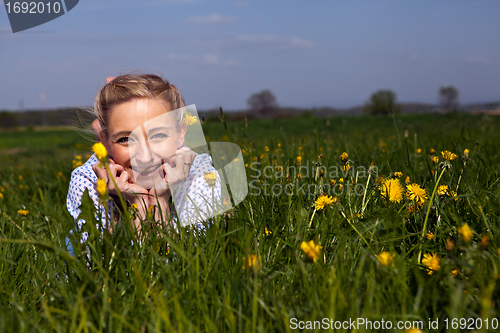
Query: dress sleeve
{"points": [[81, 179], [196, 201]]}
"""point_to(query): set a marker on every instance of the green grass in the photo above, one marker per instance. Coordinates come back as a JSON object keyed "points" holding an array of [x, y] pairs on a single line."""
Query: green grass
{"points": [[182, 281]]}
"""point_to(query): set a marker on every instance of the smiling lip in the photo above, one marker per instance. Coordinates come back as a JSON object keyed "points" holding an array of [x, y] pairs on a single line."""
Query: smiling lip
{"points": [[147, 171]]}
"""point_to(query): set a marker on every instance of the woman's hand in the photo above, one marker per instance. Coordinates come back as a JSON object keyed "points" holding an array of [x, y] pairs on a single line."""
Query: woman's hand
{"points": [[177, 169], [131, 191]]}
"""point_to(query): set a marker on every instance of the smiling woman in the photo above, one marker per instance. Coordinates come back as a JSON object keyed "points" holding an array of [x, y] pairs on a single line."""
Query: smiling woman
{"points": [[143, 129]]}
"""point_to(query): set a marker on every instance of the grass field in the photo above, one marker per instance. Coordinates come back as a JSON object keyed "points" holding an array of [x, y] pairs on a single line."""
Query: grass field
{"points": [[411, 238]]}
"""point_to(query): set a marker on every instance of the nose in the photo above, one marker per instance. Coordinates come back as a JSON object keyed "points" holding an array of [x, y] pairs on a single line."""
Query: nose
{"points": [[143, 155]]}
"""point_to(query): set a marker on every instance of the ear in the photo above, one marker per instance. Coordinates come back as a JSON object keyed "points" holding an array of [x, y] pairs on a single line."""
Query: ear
{"points": [[182, 134]]}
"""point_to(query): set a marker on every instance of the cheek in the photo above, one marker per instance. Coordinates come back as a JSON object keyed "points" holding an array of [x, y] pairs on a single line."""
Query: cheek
{"points": [[121, 156]]}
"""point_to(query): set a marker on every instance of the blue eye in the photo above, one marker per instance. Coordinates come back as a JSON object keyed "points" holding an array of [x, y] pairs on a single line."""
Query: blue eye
{"points": [[159, 136]]}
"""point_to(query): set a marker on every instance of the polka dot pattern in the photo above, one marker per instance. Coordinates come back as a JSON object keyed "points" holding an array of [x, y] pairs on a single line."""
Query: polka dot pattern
{"points": [[192, 197]]}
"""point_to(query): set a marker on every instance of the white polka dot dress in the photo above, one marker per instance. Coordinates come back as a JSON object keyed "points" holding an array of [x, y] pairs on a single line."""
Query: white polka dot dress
{"points": [[194, 199]]}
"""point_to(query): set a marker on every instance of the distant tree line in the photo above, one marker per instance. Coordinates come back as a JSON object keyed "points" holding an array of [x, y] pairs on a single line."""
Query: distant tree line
{"points": [[60, 117]]}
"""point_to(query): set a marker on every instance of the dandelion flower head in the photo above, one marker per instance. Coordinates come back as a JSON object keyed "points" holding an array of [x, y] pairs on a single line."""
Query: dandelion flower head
{"points": [[465, 232], [250, 261], [23, 212], [385, 258], [448, 155], [344, 157], [190, 119], [392, 190], [324, 201], [442, 189], [432, 262], [311, 249], [102, 188], [210, 178], [416, 193], [100, 151]]}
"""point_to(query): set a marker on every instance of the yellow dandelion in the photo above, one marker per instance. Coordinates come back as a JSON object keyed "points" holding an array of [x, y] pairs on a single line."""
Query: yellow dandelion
{"points": [[78, 157], [416, 193], [266, 148], [150, 208], [311, 250], [432, 151], [429, 235], [385, 258], [332, 182], [268, 232], [1, 195], [398, 174], [341, 180], [432, 262], [466, 152], [190, 120], [210, 178], [299, 159], [465, 232], [279, 145], [407, 180], [414, 330], [448, 155], [344, 157], [450, 244], [435, 159], [392, 190], [323, 201], [100, 151], [102, 188], [134, 206], [484, 241], [442, 189], [453, 194], [454, 272], [419, 150], [23, 212], [250, 261], [320, 156]]}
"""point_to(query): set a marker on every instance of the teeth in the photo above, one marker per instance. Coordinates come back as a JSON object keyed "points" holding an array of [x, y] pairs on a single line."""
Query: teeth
{"points": [[148, 170]]}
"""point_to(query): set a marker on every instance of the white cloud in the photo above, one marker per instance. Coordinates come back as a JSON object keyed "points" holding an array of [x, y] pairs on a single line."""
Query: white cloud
{"points": [[211, 58], [274, 42], [413, 56], [212, 19], [477, 59]]}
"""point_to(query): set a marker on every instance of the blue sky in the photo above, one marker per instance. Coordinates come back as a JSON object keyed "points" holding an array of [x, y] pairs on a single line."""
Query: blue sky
{"points": [[308, 53]]}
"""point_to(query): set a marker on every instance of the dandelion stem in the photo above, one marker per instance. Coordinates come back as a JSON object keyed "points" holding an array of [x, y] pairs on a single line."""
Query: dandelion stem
{"points": [[431, 200], [363, 206], [310, 222]]}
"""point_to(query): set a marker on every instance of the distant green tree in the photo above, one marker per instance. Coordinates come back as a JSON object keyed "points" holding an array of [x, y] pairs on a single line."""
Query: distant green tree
{"points": [[7, 120], [263, 102], [448, 98], [382, 102]]}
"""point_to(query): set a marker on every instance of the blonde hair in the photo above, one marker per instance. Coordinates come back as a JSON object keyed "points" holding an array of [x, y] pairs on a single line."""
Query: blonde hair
{"points": [[125, 88]]}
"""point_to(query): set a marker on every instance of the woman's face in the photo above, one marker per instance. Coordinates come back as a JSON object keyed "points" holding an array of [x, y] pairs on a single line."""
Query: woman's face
{"points": [[141, 136]]}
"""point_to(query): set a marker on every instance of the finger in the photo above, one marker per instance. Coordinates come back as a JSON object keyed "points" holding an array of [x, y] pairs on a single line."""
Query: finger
{"points": [[100, 172]]}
